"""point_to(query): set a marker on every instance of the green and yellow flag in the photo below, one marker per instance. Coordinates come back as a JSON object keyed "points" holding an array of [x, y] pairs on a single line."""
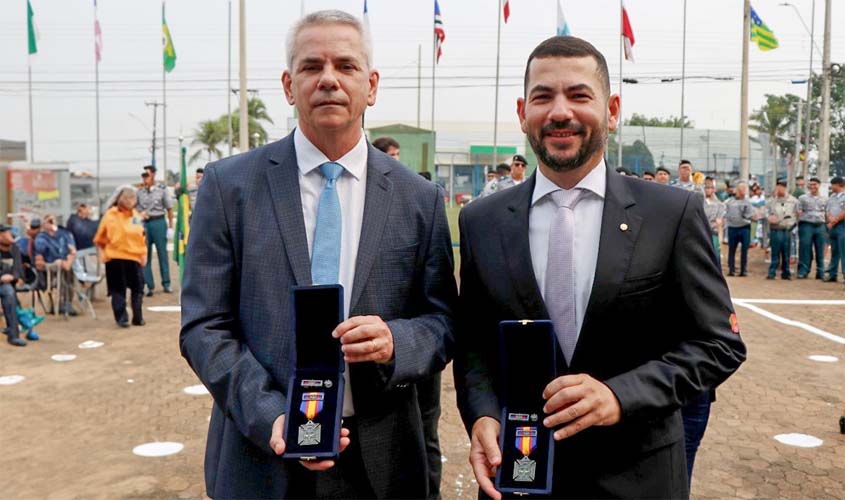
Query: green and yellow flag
{"points": [[761, 33], [31, 29], [167, 43], [183, 212]]}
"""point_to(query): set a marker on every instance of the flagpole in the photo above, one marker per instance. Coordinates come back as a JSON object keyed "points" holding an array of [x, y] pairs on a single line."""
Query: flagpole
{"points": [[31, 139], [229, 82], [683, 76], [97, 93], [419, 82], [621, 59], [243, 133], [809, 93], [164, 111], [743, 104], [433, 66], [496, 92]]}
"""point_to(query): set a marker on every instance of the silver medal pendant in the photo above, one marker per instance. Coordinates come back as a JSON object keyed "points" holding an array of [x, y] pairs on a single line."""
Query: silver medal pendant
{"points": [[524, 470], [309, 434]]}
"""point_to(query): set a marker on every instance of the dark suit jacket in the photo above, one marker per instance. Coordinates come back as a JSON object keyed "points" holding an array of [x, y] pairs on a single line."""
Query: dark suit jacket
{"points": [[657, 328], [247, 249]]}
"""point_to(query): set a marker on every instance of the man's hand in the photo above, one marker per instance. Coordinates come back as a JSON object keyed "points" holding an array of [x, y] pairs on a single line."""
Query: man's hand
{"points": [[365, 338], [277, 444], [580, 401], [144, 215], [7, 278], [484, 454], [773, 219]]}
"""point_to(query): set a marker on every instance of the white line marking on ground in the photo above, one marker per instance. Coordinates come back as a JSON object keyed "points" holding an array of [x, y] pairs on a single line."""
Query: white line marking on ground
{"points": [[90, 344], [11, 379], [809, 302], [196, 390], [823, 358], [157, 449], [164, 308], [800, 440], [790, 322], [63, 357]]}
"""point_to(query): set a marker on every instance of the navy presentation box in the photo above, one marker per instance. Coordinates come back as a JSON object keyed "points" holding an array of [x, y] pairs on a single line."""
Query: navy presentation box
{"points": [[315, 389], [528, 365]]}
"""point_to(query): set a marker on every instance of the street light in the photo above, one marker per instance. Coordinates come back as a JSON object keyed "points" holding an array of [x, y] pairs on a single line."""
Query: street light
{"points": [[811, 32]]}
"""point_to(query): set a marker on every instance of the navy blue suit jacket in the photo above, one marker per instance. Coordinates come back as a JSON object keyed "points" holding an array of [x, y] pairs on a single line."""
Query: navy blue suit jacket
{"points": [[247, 248]]}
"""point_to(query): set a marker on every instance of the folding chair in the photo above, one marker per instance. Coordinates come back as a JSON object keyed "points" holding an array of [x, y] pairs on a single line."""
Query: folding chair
{"points": [[86, 270], [31, 286]]}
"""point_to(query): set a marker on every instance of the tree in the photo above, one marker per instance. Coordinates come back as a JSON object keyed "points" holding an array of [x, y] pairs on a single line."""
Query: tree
{"points": [[209, 134], [257, 112], [837, 119], [636, 157], [644, 121], [777, 119]]}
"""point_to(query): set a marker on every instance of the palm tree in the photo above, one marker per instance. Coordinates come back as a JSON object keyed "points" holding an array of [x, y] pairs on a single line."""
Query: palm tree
{"points": [[209, 134], [257, 112], [776, 118]]}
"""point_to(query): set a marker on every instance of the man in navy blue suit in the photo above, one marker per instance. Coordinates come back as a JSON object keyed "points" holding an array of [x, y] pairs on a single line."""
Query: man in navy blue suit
{"points": [[260, 228]]}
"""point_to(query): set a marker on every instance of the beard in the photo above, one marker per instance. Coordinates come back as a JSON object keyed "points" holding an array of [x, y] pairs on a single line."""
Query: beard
{"points": [[592, 143]]}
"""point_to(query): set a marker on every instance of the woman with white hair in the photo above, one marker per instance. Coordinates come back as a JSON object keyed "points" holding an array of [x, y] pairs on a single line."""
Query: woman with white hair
{"points": [[122, 246]]}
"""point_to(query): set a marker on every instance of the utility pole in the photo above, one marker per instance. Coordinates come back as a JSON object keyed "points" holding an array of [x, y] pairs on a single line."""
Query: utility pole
{"points": [[243, 137], [824, 130], [496, 92], [795, 157], [229, 83], [809, 93], [155, 105], [419, 82], [743, 104], [683, 75]]}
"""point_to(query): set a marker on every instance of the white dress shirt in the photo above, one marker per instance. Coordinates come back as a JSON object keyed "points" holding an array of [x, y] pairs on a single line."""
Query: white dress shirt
{"points": [[588, 217], [351, 191]]}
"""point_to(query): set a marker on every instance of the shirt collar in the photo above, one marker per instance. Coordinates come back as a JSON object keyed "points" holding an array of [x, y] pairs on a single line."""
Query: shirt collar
{"points": [[595, 182], [308, 157]]}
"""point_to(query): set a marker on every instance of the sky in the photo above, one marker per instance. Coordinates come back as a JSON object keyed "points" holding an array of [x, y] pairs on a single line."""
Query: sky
{"points": [[63, 71]]}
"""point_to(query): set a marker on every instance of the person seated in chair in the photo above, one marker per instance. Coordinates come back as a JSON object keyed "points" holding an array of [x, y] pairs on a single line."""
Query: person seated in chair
{"points": [[11, 273], [55, 244]]}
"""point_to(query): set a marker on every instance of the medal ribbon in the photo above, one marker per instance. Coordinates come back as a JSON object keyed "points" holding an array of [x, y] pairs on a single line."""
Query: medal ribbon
{"points": [[312, 404], [526, 439]]}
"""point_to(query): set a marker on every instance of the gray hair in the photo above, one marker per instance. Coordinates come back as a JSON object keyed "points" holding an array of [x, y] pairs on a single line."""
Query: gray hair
{"points": [[119, 193], [328, 17]]}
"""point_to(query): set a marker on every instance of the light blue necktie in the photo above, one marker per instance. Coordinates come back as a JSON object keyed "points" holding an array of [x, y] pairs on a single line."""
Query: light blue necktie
{"points": [[325, 255]]}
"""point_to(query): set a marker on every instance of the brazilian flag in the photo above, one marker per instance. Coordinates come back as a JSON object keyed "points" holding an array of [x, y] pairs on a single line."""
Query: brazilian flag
{"points": [[183, 211], [169, 52]]}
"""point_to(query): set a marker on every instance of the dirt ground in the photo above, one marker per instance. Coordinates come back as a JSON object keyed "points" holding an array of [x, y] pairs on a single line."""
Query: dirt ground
{"points": [[69, 428]]}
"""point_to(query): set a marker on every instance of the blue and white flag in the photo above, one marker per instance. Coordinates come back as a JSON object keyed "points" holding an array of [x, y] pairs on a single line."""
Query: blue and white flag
{"points": [[562, 25]]}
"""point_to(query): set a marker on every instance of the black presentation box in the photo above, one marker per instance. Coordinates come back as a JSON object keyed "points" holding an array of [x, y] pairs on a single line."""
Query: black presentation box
{"points": [[528, 365], [315, 388]]}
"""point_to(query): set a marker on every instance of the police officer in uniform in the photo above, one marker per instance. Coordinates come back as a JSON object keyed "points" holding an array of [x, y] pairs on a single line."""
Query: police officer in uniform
{"points": [[782, 211], [715, 212], [811, 230], [836, 227], [156, 208]]}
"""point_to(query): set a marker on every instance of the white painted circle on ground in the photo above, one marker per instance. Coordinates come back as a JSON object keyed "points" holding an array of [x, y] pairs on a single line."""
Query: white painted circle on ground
{"points": [[157, 449], [164, 308], [800, 440], [11, 379], [90, 344], [63, 357], [823, 358], [196, 390], [131, 380]]}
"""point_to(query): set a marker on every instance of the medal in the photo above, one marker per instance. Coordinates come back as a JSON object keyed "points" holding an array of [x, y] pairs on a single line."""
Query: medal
{"points": [[309, 432], [524, 469]]}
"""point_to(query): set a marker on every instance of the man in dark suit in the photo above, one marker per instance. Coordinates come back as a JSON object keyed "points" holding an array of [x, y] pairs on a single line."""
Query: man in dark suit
{"points": [[261, 228], [625, 270]]}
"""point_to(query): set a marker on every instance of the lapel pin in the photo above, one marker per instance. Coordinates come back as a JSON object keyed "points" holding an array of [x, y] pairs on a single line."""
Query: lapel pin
{"points": [[623, 227]]}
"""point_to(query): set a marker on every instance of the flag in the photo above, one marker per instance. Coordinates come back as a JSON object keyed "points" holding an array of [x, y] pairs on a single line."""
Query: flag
{"points": [[562, 25], [31, 29], [761, 33], [439, 32], [167, 42], [98, 36], [183, 209], [628, 34], [507, 10], [366, 17]]}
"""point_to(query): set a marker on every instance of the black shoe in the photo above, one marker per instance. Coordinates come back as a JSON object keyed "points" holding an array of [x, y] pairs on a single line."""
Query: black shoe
{"points": [[786, 277], [123, 324], [149, 293], [731, 273], [167, 289], [770, 277], [17, 341], [829, 279], [139, 322], [802, 277], [819, 277], [743, 274]]}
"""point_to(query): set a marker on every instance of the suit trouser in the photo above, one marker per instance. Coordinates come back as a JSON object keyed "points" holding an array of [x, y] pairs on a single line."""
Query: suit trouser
{"points": [[780, 239], [156, 230], [695, 415], [737, 235], [837, 249], [9, 299], [810, 240], [428, 395]]}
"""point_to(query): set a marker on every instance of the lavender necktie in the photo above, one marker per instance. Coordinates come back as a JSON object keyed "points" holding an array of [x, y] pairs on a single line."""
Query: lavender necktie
{"points": [[560, 271]]}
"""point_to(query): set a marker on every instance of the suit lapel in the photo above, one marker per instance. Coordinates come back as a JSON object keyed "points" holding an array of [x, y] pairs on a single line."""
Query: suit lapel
{"points": [[517, 251], [376, 209], [283, 180], [615, 248]]}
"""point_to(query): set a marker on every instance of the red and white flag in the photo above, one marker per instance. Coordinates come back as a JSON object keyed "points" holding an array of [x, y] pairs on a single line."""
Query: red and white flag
{"points": [[439, 32], [507, 10], [628, 35], [98, 36]]}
